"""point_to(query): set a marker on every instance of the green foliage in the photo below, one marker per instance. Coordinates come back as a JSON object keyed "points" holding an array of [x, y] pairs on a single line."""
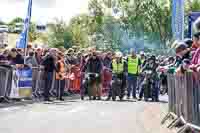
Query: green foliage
{"points": [[140, 19], [192, 6], [59, 35], [2, 23], [33, 35], [16, 20]]}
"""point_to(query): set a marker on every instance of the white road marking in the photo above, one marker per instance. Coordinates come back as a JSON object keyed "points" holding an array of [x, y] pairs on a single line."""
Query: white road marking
{"points": [[11, 108], [77, 109]]}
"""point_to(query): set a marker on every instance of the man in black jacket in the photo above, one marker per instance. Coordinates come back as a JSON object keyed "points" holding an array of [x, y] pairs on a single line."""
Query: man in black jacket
{"points": [[49, 68], [94, 67]]}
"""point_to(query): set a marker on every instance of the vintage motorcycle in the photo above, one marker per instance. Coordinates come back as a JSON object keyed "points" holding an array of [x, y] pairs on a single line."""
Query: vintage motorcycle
{"points": [[147, 84], [93, 88]]}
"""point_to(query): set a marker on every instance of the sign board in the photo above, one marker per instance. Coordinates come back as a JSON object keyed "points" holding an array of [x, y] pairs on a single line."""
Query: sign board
{"points": [[22, 83]]}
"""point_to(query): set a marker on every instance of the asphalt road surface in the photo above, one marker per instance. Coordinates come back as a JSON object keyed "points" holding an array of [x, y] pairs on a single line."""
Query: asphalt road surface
{"points": [[76, 116]]}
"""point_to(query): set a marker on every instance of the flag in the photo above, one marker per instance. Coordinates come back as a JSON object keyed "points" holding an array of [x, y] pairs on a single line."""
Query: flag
{"points": [[178, 19], [23, 38]]}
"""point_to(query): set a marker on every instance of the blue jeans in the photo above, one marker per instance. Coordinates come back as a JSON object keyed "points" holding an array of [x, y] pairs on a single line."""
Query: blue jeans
{"points": [[132, 85]]}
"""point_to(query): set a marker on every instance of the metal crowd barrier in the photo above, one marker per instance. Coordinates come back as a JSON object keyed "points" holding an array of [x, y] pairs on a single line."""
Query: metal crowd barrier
{"points": [[9, 83], [171, 93], [5, 78], [184, 100], [38, 81]]}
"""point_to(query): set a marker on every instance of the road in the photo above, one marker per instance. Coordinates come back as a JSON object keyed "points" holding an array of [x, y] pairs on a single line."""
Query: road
{"points": [[75, 116]]}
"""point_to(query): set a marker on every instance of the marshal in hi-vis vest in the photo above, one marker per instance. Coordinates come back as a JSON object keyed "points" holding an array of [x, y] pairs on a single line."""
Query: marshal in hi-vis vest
{"points": [[133, 65], [118, 68]]}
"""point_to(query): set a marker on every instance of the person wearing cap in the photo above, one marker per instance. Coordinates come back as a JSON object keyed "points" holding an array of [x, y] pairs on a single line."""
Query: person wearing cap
{"points": [[134, 63], [49, 68], [118, 67]]}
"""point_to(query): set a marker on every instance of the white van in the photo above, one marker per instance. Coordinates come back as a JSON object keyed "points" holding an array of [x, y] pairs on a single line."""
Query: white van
{"points": [[18, 27], [4, 28]]}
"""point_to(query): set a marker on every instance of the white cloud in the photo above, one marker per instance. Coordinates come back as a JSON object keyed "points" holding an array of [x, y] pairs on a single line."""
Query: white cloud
{"points": [[43, 10]]}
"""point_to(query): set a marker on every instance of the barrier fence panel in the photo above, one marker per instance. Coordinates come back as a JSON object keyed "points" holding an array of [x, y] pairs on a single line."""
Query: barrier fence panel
{"points": [[196, 105], [9, 83], [171, 92], [4, 79], [38, 81], [184, 96], [187, 97], [179, 85]]}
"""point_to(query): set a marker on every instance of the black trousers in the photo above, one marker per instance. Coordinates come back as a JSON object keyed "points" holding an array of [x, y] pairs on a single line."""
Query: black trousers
{"points": [[48, 84], [122, 86], [60, 86]]}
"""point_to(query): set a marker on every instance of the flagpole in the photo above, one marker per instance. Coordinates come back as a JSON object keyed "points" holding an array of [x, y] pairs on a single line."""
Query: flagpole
{"points": [[26, 44], [27, 32]]}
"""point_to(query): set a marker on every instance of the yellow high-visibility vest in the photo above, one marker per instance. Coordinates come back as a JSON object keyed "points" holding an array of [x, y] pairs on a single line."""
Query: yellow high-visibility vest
{"points": [[133, 65], [118, 68]]}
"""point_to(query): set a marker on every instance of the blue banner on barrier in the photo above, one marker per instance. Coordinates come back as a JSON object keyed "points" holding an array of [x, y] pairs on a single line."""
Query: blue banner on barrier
{"points": [[25, 77]]}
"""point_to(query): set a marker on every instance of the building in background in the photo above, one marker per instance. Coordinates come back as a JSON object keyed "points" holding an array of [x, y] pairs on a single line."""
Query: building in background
{"points": [[3, 36]]}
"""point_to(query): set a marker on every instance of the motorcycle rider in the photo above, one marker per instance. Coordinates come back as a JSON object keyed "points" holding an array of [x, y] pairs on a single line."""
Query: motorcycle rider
{"points": [[118, 69], [94, 68], [150, 85]]}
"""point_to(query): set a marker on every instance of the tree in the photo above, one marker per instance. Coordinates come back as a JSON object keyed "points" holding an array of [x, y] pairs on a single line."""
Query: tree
{"points": [[2, 22], [33, 35], [16, 20], [80, 27], [112, 35], [150, 18], [59, 35], [192, 5]]}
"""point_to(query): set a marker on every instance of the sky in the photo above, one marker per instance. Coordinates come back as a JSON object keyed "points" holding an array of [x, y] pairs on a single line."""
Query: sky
{"points": [[43, 10]]}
